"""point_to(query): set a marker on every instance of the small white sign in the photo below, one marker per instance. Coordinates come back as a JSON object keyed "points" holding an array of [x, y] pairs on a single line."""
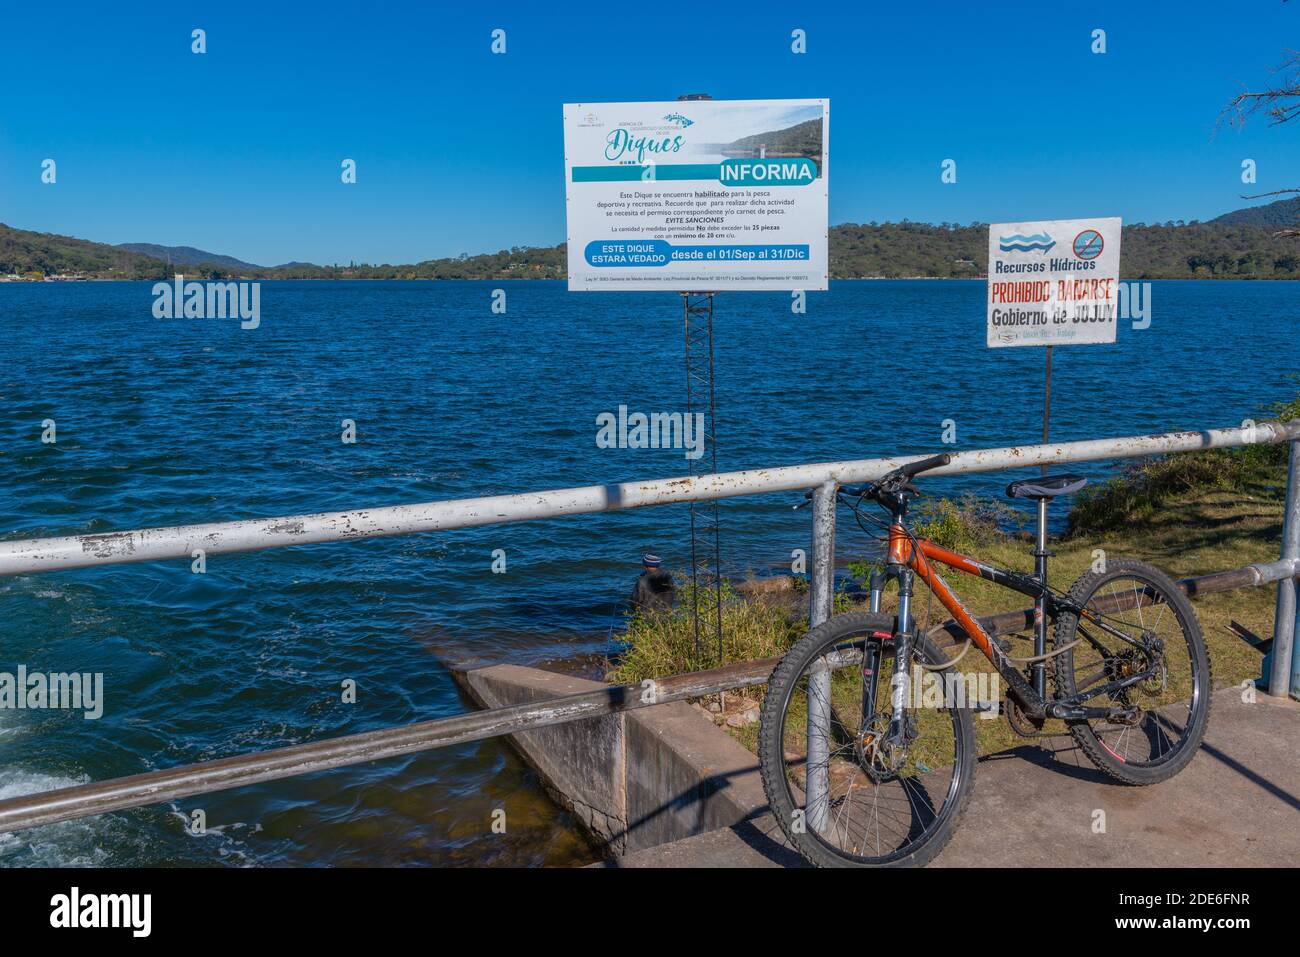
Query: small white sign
{"points": [[1053, 283], [697, 195]]}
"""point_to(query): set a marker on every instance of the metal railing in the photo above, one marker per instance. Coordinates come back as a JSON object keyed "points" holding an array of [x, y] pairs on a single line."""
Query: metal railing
{"points": [[26, 556]]}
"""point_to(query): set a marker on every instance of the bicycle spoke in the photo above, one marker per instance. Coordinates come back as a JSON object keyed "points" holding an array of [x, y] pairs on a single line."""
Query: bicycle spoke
{"points": [[1151, 640]]}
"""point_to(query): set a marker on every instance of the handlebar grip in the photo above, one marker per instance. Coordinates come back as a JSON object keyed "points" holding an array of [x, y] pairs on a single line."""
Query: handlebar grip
{"points": [[933, 462]]}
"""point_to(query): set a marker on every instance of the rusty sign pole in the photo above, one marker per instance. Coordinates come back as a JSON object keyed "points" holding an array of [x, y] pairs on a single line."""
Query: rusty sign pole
{"points": [[1047, 402], [1039, 668]]}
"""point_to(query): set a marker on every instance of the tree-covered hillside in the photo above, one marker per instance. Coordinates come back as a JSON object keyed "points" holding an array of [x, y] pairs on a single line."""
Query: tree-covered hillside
{"points": [[802, 139], [1167, 251], [24, 252], [1283, 214], [1215, 250]]}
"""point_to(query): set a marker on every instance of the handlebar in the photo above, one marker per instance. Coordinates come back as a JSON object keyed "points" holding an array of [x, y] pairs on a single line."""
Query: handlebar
{"points": [[924, 465], [899, 478]]}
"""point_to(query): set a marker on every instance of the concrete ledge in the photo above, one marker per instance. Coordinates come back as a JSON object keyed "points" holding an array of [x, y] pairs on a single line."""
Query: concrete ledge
{"points": [[634, 780], [1235, 805], [684, 776]]}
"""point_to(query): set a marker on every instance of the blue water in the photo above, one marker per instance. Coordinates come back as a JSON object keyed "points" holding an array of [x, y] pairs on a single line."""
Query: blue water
{"points": [[162, 422]]}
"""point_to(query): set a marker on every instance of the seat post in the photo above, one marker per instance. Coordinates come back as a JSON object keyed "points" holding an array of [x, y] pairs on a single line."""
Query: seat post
{"points": [[1041, 490], [1040, 603]]}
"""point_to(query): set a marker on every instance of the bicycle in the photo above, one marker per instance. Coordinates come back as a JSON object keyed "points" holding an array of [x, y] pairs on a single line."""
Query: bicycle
{"points": [[861, 772]]}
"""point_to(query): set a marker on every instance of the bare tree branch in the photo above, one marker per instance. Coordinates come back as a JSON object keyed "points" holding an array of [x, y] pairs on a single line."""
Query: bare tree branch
{"points": [[1276, 192], [1281, 102]]}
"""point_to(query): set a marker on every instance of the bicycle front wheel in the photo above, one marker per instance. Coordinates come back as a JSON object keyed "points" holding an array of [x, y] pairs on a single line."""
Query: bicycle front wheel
{"points": [[846, 787]]}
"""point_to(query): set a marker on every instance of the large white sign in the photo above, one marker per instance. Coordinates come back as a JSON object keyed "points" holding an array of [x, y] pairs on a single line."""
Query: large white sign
{"points": [[1053, 283], [697, 195]]}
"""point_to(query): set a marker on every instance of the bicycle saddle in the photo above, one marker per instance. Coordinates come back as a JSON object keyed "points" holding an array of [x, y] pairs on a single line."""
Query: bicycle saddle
{"points": [[1046, 486]]}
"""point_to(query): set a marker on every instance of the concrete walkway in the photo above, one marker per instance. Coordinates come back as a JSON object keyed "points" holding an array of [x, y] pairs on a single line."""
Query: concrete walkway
{"points": [[1236, 805]]}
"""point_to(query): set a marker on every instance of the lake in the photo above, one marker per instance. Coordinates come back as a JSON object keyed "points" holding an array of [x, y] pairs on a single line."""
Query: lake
{"points": [[171, 421]]}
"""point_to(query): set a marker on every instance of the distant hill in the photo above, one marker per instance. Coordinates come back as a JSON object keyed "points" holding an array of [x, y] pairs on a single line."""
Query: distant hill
{"points": [[1226, 248], [22, 252], [802, 139], [1277, 215], [1155, 251], [186, 256]]}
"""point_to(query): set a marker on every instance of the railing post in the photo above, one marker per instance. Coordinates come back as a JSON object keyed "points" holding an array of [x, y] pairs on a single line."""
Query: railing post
{"points": [[822, 590], [1284, 676], [821, 599]]}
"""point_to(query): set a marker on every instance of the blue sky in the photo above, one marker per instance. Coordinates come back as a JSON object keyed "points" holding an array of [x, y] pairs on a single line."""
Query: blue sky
{"points": [[238, 151]]}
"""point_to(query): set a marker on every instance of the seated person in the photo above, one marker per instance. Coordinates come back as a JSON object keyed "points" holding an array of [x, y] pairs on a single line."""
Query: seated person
{"points": [[654, 587]]}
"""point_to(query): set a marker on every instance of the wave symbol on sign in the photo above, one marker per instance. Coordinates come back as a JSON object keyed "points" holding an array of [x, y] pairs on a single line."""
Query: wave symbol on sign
{"points": [[1023, 244]]}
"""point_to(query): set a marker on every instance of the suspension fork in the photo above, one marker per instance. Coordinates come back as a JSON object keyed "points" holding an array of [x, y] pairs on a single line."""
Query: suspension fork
{"points": [[903, 645], [871, 655], [904, 641], [877, 587]]}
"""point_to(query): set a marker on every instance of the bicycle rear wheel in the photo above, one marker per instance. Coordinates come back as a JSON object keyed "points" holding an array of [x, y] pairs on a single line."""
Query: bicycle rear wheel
{"points": [[842, 794], [1169, 712]]}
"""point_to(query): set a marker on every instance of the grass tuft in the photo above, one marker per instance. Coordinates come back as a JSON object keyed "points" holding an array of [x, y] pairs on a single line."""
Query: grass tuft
{"points": [[1145, 488], [659, 644]]}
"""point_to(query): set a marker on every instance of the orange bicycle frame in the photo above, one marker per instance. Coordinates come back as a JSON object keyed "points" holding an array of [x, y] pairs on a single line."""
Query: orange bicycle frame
{"points": [[920, 560]]}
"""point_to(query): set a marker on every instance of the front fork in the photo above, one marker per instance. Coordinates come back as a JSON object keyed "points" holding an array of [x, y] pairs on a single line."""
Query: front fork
{"points": [[903, 647]]}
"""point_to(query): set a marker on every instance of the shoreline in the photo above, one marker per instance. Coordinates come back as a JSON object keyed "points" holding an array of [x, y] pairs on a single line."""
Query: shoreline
{"points": [[979, 278]]}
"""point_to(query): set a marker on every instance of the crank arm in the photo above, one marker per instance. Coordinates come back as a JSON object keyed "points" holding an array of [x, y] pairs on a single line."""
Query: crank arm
{"points": [[1059, 709]]}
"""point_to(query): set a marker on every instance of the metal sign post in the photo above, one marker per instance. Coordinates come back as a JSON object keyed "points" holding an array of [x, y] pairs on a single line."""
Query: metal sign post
{"points": [[698, 194], [706, 548], [701, 398], [1051, 282], [1047, 402]]}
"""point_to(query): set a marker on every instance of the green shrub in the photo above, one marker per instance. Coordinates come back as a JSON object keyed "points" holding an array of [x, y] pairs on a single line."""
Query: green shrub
{"points": [[965, 523], [661, 644]]}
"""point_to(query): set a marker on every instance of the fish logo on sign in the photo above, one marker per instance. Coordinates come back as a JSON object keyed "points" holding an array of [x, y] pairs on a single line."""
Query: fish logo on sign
{"points": [[1023, 244], [1088, 244]]}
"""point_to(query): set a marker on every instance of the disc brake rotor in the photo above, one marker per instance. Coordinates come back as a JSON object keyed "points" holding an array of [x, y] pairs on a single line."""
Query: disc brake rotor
{"points": [[877, 756]]}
